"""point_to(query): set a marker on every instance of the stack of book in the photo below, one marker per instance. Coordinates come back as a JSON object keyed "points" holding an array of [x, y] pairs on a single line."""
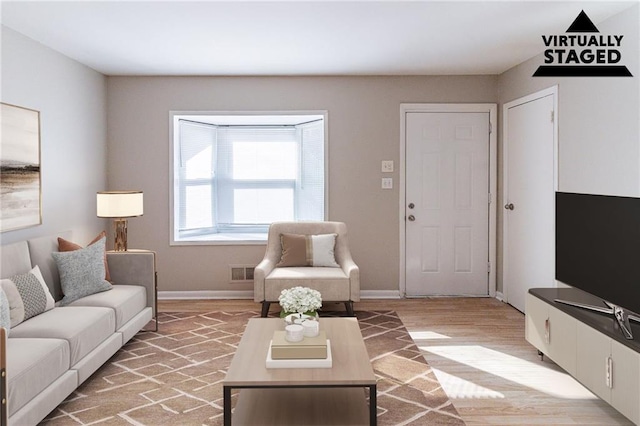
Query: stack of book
{"points": [[311, 352]]}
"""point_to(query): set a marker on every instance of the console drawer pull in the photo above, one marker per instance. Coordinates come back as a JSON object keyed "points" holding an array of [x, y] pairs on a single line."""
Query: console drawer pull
{"points": [[547, 331]]}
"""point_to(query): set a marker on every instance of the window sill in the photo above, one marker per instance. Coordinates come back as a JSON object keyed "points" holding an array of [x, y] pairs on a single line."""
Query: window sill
{"points": [[230, 239]]}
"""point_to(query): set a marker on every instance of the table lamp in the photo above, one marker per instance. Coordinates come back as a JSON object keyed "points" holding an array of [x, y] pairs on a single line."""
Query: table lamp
{"points": [[119, 205]]}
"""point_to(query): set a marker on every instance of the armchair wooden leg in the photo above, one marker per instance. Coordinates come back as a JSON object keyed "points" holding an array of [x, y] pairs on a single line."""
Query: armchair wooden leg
{"points": [[265, 309], [349, 306]]}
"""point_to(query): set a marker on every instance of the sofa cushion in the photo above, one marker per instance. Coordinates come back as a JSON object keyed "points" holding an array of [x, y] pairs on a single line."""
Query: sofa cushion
{"points": [[82, 271], [27, 294], [332, 283], [32, 365], [40, 250], [66, 245], [126, 300], [83, 327], [308, 250]]}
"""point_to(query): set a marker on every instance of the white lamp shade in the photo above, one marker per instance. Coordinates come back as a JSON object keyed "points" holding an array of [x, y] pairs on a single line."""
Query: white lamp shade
{"points": [[119, 204]]}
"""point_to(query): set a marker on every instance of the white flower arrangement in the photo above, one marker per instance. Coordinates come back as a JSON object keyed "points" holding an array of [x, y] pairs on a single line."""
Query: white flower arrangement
{"points": [[300, 300]]}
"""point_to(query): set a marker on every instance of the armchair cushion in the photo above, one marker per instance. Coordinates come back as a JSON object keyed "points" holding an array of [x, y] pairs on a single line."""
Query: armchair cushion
{"points": [[308, 250], [332, 283]]}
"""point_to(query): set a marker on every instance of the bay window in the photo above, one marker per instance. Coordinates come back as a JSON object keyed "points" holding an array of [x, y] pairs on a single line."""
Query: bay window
{"points": [[235, 174]]}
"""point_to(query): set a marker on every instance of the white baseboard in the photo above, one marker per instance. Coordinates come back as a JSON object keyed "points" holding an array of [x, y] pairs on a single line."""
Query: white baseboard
{"points": [[205, 294], [500, 296], [248, 294], [380, 294]]}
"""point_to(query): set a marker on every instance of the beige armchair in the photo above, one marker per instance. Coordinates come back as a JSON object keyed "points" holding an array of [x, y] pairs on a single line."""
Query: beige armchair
{"points": [[335, 284]]}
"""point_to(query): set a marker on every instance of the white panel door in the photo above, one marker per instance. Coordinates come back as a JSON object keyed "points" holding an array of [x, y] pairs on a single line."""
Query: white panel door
{"points": [[447, 196], [529, 215]]}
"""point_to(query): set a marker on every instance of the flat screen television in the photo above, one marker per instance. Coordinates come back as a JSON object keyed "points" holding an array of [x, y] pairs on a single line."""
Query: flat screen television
{"points": [[598, 250]]}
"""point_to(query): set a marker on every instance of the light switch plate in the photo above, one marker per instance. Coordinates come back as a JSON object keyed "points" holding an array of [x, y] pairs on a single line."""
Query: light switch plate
{"points": [[387, 166], [387, 183]]}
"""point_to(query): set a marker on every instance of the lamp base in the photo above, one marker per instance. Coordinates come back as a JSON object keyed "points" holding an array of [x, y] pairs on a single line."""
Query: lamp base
{"points": [[120, 228]]}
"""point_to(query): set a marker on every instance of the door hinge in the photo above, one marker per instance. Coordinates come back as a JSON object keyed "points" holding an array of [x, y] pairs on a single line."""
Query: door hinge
{"points": [[489, 198], [553, 116], [488, 267], [490, 127]]}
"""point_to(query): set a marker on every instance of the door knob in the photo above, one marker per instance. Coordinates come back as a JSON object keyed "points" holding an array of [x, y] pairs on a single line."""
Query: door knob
{"points": [[411, 218], [509, 206]]}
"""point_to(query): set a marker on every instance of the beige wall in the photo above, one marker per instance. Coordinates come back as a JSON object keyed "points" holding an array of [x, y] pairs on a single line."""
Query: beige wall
{"points": [[598, 120], [599, 136], [598, 140], [71, 99], [364, 120]]}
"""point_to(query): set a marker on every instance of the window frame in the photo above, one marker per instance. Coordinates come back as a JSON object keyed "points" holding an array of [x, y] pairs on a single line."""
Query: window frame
{"points": [[235, 237]]}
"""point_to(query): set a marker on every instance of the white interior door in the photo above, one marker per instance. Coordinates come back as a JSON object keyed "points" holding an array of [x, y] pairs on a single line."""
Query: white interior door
{"points": [[529, 184], [447, 203]]}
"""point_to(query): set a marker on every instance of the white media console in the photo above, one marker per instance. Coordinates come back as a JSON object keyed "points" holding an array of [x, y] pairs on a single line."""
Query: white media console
{"points": [[588, 345]]}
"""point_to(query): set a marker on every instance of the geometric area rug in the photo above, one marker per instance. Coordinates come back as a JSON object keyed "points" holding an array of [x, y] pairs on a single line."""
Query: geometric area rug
{"points": [[174, 376]]}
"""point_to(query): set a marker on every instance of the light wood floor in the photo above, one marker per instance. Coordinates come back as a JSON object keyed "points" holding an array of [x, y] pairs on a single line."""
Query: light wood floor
{"points": [[477, 348]]}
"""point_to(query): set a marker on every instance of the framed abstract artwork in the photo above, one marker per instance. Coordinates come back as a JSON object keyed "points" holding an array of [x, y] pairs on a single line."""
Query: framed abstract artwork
{"points": [[20, 178]]}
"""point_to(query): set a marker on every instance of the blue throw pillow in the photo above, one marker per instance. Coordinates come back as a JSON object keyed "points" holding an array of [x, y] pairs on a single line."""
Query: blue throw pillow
{"points": [[82, 271]]}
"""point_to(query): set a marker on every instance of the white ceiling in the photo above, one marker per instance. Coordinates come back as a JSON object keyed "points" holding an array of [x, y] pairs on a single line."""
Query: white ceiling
{"points": [[298, 38]]}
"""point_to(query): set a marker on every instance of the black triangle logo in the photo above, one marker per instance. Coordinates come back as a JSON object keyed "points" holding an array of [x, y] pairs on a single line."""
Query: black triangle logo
{"points": [[582, 24]]}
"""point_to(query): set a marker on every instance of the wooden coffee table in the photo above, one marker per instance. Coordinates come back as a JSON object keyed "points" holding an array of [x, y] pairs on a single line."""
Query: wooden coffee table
{"points": [[324, 396]]}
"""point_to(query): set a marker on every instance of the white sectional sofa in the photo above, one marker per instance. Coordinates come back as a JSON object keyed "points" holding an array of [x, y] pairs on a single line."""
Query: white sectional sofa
{"points": [[49, 355]]}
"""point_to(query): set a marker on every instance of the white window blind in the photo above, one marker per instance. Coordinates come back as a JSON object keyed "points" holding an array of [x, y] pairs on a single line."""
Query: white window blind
{"points": [[232, 179], [310, 202], [196, 176], [258, 168]]}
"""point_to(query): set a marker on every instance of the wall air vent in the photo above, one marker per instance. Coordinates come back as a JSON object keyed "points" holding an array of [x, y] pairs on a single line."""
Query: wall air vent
{"points": [[241, 273]]}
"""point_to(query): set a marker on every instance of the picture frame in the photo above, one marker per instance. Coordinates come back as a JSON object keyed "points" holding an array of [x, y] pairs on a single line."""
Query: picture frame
{"points": [[20, 176]]}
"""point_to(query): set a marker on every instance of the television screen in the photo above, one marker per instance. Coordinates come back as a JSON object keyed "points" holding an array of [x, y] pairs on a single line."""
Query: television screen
{"points": [[598, 246]]}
